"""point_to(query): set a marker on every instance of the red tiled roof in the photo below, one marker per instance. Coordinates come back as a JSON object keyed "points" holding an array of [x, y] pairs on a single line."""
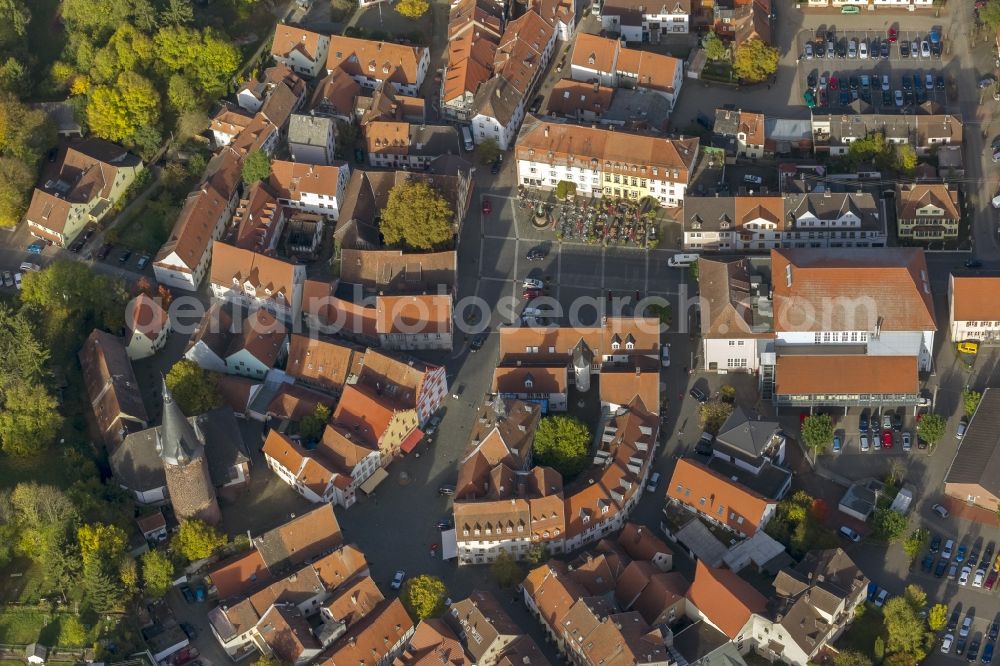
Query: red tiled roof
{"points": [[715, 495], [726, 600]]}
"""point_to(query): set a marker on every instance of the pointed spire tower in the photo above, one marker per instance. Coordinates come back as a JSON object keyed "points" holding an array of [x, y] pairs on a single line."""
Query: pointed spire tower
{"points": [[182, 451]]}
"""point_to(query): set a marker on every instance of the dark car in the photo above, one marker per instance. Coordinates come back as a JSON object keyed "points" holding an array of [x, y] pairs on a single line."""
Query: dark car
{"points": [[477, 342], [189, 630], [143, 260], [884, 49], [953, 620], [537, 104], [811, 79], [104, 251], [444, 524], [863, 421], [973, 263], [936, 543], [907, 83], [939, 82], [495, 167], [988, 654], [126, 255], [845, 97], [928, 563], [187, 594], [897, 421], [886, 98], [960, 646], [76, 247], [904, 49], [698, 394], [939, 569], [86, 235], [536, 255], [991, 634], [875, 423], [974, 649], [854, 83], [936, 50], [446, 490]]}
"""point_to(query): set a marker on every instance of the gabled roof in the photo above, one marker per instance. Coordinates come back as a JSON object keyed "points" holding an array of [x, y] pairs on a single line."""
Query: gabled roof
{"points": [[433, 643], [618, 385], [288, 38], [392, 271], [890, 286], [846, 374], [726, 600], [287, 632], [290, 180], [482, 620], [193, 230], [147, 317], [301, 539], [515, 380], [270, 277], [383, 61], [369, 641], [109, 379], [364, 412], [724, 290], [595, 52], [323, 362], [416, 314], [912, 197], [715, 495], [977, 461], [569, 96], [974, 298], [256, 220], [262, 336], [335, 94]]}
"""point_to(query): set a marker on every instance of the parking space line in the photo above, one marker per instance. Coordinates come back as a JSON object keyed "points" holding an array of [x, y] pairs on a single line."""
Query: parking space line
{"points": [[503, 238]]}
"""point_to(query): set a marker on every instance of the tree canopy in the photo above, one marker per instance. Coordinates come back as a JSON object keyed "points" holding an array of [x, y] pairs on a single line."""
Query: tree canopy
{"points": [[256, 167], [562, 443], [157, 573], [931, 428], [194, 389], [937, 617], [16, 182], [970, 401], [197, 540], [715, 49], [416, 216], [412, 9], [850, 658], [889, 525], [755, 60], [505, 570], [990, 14], [423, 596], [914, 544], [906, 632], [487, 151], [118, 111], [817, 432], [713, 414], [311, 426]]}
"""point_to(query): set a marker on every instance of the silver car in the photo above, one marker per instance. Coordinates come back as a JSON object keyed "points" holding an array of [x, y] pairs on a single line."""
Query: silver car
{"points": [[852, 49]]}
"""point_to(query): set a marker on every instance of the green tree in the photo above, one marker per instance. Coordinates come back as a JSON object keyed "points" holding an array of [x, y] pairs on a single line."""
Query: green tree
{"points": [[894, 475], [256, 167], [96, 19], [889, 525], [181, 94], [714, 47], [565, 188], [712, 414], [269, 660], [424, 596], [16, 181], [755, 60], [937, 617], [412, 9], [311, 426], [417, 216], [157, 574], [25, 133], [128, 50], [916, 597], [15, 17], [879, 648], [101, 543], [990, 14], [30, 420], [488, 151], [102, 586], [562, 443], [817, 432], [194, 389], [177, 12], [71, 632], [931, 428], [905, 633], [197, 540], [970, 401], [537, 554], [206, 58], [116, 112], [506, 571], [906, 159], [13, 75], [916, 542], [850, 658]]}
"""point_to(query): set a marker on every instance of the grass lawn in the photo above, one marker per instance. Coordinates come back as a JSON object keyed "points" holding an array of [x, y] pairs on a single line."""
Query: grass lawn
{"points": [[28, 587], [22, 625], [863, 632], [34, 468], [150, 226]]}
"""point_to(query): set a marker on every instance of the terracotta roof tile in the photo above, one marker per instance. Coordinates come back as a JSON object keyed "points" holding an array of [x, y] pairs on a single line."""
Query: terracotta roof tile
{"points": [[975, 298], [237, 575], [725, 599], [514, 380], [335, 94], [569, 96], [383, 61], [713, 494], [393, 271], [433, 644], [263, 337], [846, 374], [595, 52], [618, 385], [288, 38], [369, 641], [147, 317], [417, 314], [324, 363], [911, 197], [271, 278], [290, 180]]}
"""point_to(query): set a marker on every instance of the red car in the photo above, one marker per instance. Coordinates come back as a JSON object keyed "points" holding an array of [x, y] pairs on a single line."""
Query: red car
{"points": [[487, 207], [833, 83], [531, 294], [893, 34], [886, 439]]}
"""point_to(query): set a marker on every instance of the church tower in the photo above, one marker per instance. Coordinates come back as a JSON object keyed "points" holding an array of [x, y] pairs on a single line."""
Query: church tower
{"points": [[182, 451]]}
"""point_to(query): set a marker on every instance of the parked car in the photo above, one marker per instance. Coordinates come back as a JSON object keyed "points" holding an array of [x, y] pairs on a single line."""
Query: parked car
{"points": [[187, 594], [751, 179], [495, 167], [960, 646], [808, 51], [991, 633], [397, 579], [887, 439], [953, 619], [104, 251], [939, 569], [17, 281], [189, 630], [444, 524], [698, 394], [960, 553], [665, 356], [487, 206], [531, 294], [143, 260], [533, 283], [885, 83], [8, 279], [880, 599], [886, 420], [946, 643], [973, 652], [960, 431], [991, 579], [966, 625], [478, 341], [536, 254], [852, 49], [446, 490], [906, 441], [987, 653], [837, 444], [978, 578], [654, 481], [927, 564], [925, 49], [904, 49], [865, 446], [848, 533], [963, 578], [126, 255], [863, 50], [940, 510], [892, 35], [936, 543], [946, 551]]}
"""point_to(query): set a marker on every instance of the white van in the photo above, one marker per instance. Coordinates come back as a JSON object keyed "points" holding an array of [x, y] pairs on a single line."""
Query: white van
{"points": [[682, 260], [467, 138], [996, 201]]}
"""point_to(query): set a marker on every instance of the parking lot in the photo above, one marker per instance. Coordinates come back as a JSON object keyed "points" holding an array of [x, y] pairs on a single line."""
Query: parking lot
{"points": [[889, 430], [867, 66]]}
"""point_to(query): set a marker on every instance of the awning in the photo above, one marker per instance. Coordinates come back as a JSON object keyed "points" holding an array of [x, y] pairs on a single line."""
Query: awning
{"points": [[378, 477], [412, 440], [449, 545]]}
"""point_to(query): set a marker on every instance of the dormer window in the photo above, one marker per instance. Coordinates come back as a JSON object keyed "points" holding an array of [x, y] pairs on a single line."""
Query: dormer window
{"points": [[236, 282], [529, 383], [591, 60], [629, 345], [616, 345]]}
